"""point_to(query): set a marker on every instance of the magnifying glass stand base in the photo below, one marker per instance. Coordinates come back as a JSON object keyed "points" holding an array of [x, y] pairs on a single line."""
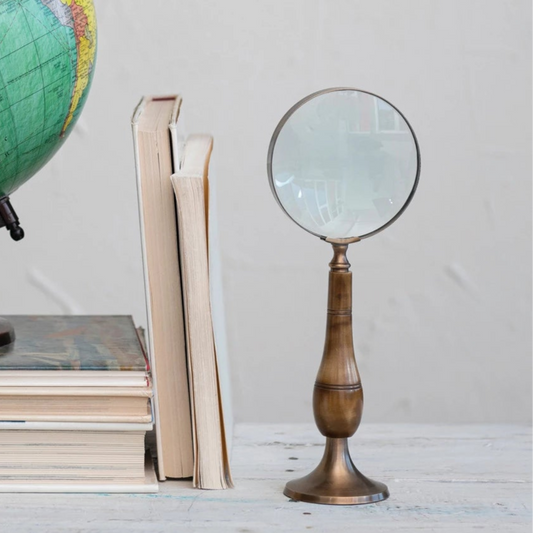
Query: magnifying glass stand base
{"points": [[336, 481]]}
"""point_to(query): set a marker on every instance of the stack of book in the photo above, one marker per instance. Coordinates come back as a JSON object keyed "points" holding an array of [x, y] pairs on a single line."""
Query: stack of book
{"points": [[75, 405], [76, 391], [182, 279]]}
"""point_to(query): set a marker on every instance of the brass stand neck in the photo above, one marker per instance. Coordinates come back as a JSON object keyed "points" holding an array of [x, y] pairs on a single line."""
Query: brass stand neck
{"points": [[340, 262], [337, 458]]}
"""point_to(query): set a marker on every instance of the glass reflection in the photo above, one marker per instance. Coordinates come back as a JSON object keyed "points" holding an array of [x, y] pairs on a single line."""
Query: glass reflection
{"points": [[344, 164]]}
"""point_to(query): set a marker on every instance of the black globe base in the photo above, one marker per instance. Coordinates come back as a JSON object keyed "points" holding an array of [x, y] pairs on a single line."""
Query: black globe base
{"points": [[9, 219], [7, 333]]}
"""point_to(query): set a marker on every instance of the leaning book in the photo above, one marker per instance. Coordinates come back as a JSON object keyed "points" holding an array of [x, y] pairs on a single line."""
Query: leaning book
{"points": [[75, 406], [211, 461]]}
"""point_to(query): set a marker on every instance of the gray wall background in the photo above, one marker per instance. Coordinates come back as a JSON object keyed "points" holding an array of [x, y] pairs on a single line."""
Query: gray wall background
{"points": [[442, 299]]}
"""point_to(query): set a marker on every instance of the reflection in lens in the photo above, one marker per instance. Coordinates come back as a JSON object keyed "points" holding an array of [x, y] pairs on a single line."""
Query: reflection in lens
{"points": [[344, 164]]}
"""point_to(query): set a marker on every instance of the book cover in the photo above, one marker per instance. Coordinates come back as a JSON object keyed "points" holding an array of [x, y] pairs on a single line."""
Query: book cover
{"points": [[73, 343]]}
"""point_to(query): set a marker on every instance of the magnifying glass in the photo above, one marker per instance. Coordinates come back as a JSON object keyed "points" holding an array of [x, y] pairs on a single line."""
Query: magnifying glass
{"points": [[343, 164]]}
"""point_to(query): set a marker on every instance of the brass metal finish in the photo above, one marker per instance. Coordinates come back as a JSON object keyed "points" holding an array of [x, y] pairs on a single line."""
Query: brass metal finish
{"points": [[7, 333], [337, 404], [345, 240]]}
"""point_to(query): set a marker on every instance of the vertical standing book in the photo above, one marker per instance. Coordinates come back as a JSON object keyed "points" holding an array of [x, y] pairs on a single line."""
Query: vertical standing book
{"points": [[152, 123]]}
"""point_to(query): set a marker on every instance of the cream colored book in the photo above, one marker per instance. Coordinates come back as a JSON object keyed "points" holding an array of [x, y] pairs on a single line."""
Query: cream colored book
{"points": [[51, 453], [166, 336], [104, 427], [146, 485], [75, 379], [211, 465], [71, 404], [51, 457]]}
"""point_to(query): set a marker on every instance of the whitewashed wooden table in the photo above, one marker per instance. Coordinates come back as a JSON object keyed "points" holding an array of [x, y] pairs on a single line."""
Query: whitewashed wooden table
{"points": [[441, 478]]}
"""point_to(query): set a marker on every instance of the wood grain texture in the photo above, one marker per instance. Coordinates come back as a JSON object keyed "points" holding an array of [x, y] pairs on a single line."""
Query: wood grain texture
{"points": [[441, 478]]}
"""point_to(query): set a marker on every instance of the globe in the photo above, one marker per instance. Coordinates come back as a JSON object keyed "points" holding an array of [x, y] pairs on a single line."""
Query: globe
{"points": [[47, 58]]}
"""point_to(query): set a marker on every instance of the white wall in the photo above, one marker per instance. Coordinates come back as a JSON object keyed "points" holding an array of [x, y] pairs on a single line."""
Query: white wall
{"points": [[442, 299]]}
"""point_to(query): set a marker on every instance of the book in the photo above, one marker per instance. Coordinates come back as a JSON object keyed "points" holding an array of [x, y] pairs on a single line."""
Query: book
{"points": [[73, 351], [74, 368], [72, 435], [155, 160], [147, 485], [76, 404], [63, 457], [75, 426], [211, 468]]}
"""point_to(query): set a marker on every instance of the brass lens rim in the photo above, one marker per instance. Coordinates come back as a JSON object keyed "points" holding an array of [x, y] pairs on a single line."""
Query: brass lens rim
{"points": [[282, 123]]}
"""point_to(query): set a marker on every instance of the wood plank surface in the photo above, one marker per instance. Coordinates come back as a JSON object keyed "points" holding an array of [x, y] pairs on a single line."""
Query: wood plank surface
{"points": [[441, 478]]}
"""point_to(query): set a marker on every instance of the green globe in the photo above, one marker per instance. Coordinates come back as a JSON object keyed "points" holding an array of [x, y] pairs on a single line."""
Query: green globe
{"points": [[47, 57]]}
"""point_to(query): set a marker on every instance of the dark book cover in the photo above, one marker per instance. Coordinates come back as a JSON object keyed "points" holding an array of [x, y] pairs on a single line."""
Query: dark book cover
{"points": [[49, 342]]}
